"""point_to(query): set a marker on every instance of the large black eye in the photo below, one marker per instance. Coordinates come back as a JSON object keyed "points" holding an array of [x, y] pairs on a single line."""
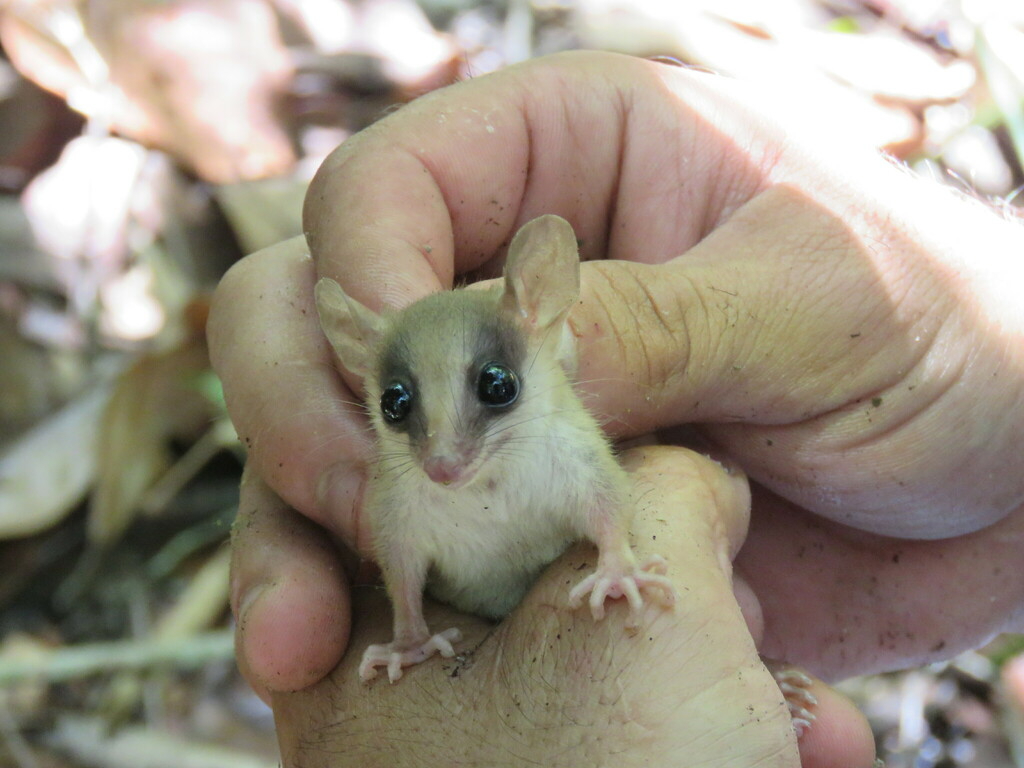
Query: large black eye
{"points": [[497, 385], [396, 402]]}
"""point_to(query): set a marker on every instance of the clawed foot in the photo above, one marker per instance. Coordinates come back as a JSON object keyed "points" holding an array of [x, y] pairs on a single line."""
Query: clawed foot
{"points": [[625, 580], [397, 655], [795, 687]]}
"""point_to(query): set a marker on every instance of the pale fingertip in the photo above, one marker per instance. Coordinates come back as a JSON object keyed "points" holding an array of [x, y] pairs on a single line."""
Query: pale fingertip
{"points": [[245, 668]]}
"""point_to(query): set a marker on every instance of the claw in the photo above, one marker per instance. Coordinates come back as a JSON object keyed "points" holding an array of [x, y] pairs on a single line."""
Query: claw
{"points": [[577, 593], [395, 656], [655, 563], [795, 686], [628, 581]]}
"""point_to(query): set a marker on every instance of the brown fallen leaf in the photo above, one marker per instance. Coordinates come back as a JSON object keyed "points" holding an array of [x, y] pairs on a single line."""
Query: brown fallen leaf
{"points": [[196, 78], [154, 401], [810, 75], [263, 212], [79, 208], [36, 125], [887, 67], [395, 35]]}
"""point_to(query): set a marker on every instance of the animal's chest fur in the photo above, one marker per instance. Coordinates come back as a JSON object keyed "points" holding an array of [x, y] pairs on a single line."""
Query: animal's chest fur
{"points": [[496, 540], [488, 541]]}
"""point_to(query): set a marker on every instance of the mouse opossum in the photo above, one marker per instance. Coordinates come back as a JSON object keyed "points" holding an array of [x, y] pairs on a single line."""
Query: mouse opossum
{"points": [[488, 464]]}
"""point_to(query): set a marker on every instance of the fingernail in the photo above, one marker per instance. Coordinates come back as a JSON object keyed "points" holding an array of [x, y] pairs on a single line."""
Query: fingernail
{"points": [[246, 603], [339, 496], [672, 61], [259, 685]]}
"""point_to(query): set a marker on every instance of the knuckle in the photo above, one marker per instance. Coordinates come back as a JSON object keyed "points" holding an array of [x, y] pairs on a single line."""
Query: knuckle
{"points": [[243, 284], [653, 336]]}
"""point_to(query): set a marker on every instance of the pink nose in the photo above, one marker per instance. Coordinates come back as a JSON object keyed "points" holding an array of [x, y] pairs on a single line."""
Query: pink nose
{"points": [[443, 469]]}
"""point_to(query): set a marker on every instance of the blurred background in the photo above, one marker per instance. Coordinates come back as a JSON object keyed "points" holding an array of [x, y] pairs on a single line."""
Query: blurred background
{"points": [[146, 145]]}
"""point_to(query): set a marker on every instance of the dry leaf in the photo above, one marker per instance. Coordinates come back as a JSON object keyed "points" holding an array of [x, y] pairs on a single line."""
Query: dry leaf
{"points": [[79, 208], [197, 78], [794, 81], [888, 67], [129, 235], [33, 380], [88, 742], [153, 402], [36, 125], [262, 213], [47, 472], [396, 33]]}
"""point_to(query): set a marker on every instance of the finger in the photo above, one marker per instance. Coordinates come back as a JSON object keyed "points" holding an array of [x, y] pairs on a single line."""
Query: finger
{"points": [[691, 679], [770, 319], [717, 490], [831, 731], [830, 345], [842, 602], [440, 187], [289, 593], [305, 432], [717, 504]]}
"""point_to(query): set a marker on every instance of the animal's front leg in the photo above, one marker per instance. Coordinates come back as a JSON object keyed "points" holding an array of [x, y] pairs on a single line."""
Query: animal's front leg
{"points": [[412, 643], [618, 573]]}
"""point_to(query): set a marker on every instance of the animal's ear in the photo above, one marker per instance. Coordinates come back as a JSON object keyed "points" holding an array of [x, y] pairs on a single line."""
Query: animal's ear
{"points": [[542, 272], [353, 330]]}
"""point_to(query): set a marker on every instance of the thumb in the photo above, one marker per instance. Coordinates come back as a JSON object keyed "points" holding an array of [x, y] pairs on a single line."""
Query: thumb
{"points": [[780, 314]]}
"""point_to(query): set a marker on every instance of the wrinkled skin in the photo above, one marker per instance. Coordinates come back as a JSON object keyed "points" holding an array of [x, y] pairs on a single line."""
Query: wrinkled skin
{"points": [[850, 336]]}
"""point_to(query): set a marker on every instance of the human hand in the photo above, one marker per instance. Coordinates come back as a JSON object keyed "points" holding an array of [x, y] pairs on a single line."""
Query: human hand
{"points": [[848, 333], [550, 686]]}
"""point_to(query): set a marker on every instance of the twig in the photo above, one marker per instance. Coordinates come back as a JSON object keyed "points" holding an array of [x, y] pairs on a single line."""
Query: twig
{"points": [[88, 741], [96, 658], [197, 608], [218, 437]]}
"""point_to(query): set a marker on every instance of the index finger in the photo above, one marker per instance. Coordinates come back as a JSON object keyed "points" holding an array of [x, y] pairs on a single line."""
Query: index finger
{"points": [[305, 433], [440, 187]]}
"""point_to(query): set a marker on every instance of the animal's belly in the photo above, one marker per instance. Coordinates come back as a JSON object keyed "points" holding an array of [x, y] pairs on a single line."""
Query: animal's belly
{"points": [[486, 570]]}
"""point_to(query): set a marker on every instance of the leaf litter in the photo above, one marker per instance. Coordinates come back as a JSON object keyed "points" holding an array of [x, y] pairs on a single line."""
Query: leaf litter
{"points": [[147, 146]]}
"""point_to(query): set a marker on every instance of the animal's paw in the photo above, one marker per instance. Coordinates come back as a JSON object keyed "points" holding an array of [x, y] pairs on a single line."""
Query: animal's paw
{"points": [[795, 687], [615, 580], [395, 655]]}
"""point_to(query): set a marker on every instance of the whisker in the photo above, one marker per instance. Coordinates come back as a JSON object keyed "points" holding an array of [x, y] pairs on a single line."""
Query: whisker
{"points": [[404, 472], [492, 432], [341, 435], [316, 412]]}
